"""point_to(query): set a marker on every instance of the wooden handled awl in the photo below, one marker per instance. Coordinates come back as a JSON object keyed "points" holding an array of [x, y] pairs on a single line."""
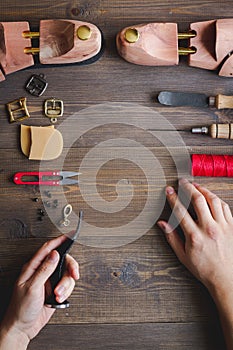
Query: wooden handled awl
{"points": [[216, 131]]}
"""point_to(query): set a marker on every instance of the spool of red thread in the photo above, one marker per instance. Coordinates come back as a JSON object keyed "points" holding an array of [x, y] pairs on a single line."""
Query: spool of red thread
{"points": [[212, 165]]}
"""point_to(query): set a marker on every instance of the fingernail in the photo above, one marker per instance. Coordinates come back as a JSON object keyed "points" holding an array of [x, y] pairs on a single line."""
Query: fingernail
{"points": [[196, 184], [161, 225], [183, 181], [77, 275], [166, 228], [61, 298], [53, 257], [60, 290], [169, 190]]}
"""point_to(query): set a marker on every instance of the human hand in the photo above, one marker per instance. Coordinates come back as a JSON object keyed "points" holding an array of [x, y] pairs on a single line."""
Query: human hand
{"points": [[27, 314], [207, 250]]}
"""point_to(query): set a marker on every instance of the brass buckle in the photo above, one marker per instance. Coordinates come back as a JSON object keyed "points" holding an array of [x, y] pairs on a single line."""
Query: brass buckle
{"points": [[18, 110], [54, 109]]}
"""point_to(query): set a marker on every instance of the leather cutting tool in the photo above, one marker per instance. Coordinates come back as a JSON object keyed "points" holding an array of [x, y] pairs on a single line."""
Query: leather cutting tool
{"points": [[47, 178], [175, 99], [63, 249]]}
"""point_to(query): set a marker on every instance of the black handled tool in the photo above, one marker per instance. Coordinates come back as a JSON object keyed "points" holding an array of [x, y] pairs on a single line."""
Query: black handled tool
{"points": [[63, 249], [176, 99]]}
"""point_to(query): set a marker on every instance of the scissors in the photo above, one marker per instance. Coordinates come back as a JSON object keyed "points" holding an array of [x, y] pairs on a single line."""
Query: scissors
{"points": [[63, 249], [48, 178]]}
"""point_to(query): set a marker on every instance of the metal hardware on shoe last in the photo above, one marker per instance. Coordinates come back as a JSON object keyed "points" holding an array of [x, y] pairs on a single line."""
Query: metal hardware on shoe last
{"points": [[84, 33]]}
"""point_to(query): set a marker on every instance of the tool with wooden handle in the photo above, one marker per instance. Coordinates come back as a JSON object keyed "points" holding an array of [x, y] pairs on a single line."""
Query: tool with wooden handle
{"points": [[216, 131], [176, 99]]}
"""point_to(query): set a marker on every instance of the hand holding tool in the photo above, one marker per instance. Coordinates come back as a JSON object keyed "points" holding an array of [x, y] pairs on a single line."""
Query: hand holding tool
{"points": [[47, 178], [216, 131], [170, 98], [63, 249]]}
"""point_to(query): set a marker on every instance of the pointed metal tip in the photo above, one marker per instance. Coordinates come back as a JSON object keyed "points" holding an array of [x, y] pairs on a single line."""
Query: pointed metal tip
{"points": [[77, 232]]}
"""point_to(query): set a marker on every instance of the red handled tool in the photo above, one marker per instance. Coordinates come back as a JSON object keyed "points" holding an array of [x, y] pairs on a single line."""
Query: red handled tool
{"points": [[47, 178]]}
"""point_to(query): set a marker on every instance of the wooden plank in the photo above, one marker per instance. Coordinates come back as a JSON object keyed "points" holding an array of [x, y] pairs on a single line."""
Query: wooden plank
{"points": [[22, 207], [142, 281], [100, 10], [160, 336]]}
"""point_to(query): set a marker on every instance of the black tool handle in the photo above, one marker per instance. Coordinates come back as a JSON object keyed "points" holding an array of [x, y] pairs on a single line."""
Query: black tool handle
{"points": [[57, 275]]}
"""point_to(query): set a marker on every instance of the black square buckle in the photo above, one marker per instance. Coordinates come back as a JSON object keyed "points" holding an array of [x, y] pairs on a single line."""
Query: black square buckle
{"points": [[36, 85]]}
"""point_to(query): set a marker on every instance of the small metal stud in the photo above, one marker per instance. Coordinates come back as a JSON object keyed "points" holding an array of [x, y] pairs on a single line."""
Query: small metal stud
{"points": [[84, 33], [132, 35]]}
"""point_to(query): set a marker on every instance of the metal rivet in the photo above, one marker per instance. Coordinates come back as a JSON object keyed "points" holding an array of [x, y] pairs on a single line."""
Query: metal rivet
{"points": [[84, 33], [132, 35], [41, 212]]}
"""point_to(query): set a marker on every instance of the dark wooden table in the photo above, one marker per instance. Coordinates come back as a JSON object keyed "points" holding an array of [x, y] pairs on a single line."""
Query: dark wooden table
{"points": [[136, 296]]}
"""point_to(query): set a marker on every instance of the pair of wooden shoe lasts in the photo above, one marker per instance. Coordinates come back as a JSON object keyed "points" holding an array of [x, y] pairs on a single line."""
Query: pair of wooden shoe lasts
{"points": [[154, 44]]}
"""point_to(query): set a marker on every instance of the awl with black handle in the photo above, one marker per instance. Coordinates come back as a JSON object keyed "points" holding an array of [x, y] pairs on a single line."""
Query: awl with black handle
{"points": [[178, 99], [63, 249]]}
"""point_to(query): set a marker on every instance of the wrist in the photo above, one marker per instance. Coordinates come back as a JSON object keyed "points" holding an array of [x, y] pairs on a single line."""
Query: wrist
{"points": [[222, 295], [12, 338]]}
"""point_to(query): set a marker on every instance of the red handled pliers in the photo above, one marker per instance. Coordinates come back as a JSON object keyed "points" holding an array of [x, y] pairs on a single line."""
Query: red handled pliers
{"points": [[47, 178]]}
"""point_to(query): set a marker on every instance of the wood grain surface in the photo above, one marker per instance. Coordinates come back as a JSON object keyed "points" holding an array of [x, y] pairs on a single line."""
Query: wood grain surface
{"points": [[137, 295]]}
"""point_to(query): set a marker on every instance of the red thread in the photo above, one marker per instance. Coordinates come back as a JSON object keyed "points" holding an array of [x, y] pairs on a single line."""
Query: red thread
{"points": [[212, 165]]}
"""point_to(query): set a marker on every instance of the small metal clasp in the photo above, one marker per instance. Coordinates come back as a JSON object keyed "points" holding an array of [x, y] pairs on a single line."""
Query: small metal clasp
{"points": [[67, 210], [36, 85], [54, 108], [18, 110]]}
